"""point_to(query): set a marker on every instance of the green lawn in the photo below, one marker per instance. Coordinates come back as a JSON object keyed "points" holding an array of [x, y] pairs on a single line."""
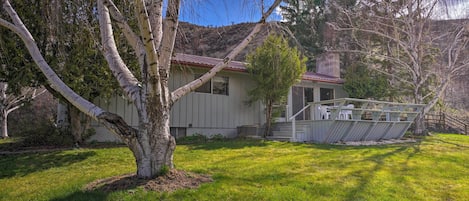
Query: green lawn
{"points": [[435, 169]]}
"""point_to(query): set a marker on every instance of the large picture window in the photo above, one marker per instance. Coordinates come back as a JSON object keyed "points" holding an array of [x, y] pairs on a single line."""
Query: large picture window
{"points": [[217, 85]]}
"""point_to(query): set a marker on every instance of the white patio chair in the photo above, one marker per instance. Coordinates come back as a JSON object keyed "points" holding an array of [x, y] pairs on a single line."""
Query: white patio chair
{"points": [[324, 112], [346, 112]]}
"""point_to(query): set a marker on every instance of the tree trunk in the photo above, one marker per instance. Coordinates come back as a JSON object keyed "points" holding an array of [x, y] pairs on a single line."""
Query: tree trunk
{"points": [[154, 147], [419, 123], [3, 109], [4, 123], [151, 144], [79, 124], [268, 118]]}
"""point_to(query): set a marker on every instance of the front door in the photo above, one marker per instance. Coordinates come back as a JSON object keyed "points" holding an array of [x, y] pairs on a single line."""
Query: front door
{"points": [[302, 96]]}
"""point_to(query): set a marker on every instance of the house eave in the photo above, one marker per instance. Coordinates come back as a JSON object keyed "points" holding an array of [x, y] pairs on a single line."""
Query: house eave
{"points": [[236, 66]]}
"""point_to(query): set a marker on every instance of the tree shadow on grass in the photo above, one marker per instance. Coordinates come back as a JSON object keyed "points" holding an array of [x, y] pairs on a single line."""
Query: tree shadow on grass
{"points": [[226, 144], [367, 175], [131, 184], [83, 195], [452, 143], [27, 163], [374, 160], [10, 144], [100, 189]]}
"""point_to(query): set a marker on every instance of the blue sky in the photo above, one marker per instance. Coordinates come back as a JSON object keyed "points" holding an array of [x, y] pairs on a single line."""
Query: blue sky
{"points": [[223, 12], [227, 12]]}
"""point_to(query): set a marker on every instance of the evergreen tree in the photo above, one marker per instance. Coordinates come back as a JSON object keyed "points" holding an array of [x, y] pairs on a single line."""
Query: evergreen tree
{"points": [[307, 20], [275, 67], [360, 82]]}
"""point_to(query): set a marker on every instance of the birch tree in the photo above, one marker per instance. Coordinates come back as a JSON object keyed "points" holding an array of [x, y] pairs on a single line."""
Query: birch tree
{"points": [[73, 52], [19, 82], [10, 102], [153, 42], [421, 59]]}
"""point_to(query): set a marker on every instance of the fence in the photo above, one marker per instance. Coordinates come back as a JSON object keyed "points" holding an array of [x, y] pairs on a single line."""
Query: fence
{"points": [[440, 121]]}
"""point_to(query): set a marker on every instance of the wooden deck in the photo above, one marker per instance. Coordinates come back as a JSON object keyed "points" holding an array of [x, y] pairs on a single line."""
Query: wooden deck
{"points": [[348, 119]]}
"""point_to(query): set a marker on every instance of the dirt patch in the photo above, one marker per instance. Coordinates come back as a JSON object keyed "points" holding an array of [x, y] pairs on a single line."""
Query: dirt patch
{"points": [[174, 180]]}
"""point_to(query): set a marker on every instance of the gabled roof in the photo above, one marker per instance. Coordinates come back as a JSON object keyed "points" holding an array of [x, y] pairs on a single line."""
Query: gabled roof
{"points": [[237, 66]]}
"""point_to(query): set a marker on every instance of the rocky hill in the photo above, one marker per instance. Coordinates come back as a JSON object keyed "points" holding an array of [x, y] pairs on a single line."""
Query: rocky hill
{"points": [[218, 41]]}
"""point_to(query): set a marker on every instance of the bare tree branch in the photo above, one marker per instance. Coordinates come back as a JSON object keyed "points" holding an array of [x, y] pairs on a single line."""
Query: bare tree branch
{"points": [[106, 118], [178, 93], [119, 69]]}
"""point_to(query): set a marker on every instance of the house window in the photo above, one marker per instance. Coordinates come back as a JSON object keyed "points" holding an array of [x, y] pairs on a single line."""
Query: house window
{"points": [[216, 85], [309, 95], [220, 85], [205, 88], [326, 94]]}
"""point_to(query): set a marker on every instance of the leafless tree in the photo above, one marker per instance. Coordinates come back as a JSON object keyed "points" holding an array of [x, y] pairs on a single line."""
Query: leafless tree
{"points": [[10, 102], [401, 40]]}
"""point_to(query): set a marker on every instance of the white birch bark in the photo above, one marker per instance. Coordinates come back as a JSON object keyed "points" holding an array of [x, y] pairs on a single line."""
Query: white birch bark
{"points": [[178, 93], [151, 144], [412, 44], [3, 110], [110, 120], [12, 102]]}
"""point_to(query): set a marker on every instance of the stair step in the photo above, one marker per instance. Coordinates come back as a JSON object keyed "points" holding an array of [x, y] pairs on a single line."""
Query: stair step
{"points": [[284, 128], [282, 133], [285, 133], [279, 138], [253, 136]]}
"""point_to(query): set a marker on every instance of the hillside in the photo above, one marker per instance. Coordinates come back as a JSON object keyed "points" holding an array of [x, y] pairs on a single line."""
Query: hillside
{"points": [[218, 41]]}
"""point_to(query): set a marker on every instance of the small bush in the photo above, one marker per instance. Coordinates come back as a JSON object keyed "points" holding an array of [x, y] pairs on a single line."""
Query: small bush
{"points": [[47, 134], [217, 137], [193, 139]]}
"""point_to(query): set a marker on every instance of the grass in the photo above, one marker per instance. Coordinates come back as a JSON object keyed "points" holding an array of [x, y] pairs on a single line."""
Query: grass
{"points": [[436, 168]]}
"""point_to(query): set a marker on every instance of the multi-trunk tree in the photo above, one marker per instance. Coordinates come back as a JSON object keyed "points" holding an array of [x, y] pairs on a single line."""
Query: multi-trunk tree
{"points": [[401, 40], [152, 41]]}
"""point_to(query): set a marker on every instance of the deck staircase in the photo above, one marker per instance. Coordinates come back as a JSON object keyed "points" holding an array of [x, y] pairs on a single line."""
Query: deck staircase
{"points": [[371, 121], [282, 131]]}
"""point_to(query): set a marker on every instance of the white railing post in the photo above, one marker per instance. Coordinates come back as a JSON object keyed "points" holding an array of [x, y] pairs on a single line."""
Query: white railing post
{"points": [[293, 122], [293, 128]]}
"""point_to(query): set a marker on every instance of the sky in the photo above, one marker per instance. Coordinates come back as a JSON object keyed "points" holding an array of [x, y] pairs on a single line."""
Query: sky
{"points": [[227, 12], [455, 11], [223, 12]]}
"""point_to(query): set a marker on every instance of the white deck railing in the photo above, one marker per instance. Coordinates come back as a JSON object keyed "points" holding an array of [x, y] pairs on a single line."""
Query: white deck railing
{"points": [[293, 121], [362, 109], [359, 110]]}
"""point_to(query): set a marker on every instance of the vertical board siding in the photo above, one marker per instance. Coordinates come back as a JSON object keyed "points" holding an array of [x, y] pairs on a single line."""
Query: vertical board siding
{"points": [[377, 132], [201, 110], [358, 130], [204, 110], [320, 129], [397, 130], [337, 131]]}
